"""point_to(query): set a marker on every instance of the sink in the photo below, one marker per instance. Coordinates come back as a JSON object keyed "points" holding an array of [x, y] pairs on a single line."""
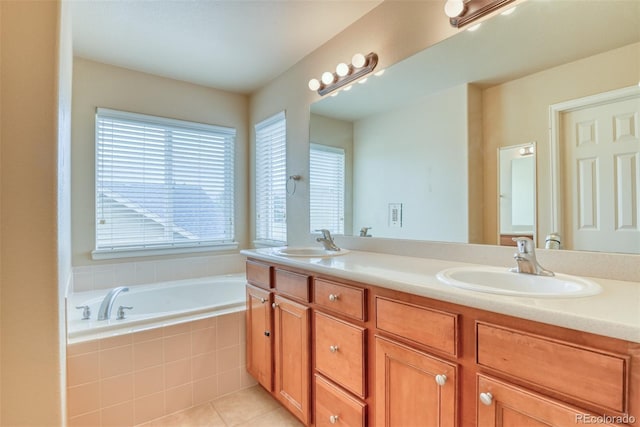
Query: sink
{"points": [[309, 252], [499, 280]]}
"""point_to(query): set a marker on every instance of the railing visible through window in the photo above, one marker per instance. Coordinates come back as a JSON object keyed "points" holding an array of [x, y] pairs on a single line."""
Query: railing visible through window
{"points": [[162, 183], [271, 171], [326, 190]]}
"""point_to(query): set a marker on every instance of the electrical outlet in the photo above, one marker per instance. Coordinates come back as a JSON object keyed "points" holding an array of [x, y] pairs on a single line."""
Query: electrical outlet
{"points": [[395, 215]]}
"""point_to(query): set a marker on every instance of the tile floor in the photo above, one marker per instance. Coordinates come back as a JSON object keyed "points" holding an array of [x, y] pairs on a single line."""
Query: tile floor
{"points": [[249, 407]]}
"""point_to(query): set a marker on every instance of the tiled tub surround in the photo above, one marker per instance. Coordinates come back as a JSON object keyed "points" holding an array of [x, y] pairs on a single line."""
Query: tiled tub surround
{"points": [[105, 276], [134, 378]]}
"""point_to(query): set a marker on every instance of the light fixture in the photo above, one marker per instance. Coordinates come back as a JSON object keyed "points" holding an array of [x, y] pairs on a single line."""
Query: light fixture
{"points": [[463, 12], [345, 74], [527, 151]]}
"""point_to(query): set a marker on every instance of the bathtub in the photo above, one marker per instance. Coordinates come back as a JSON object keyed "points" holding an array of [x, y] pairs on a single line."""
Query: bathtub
{"points": [[156, 305]]}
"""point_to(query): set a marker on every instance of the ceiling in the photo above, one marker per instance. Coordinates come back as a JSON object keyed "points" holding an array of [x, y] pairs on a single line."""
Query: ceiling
{"points": [[238, 46]]}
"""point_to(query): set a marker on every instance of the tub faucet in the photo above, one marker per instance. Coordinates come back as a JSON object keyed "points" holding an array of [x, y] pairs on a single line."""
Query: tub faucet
{"points": [[526, 258], [327, 240], [104, 313]]}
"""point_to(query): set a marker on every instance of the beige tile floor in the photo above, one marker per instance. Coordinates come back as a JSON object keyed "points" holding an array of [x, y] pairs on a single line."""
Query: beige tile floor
{"points": [[249, 407]]}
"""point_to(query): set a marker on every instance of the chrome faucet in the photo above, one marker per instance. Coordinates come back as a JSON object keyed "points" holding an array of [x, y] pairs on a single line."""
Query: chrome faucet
{"points": [[327, 240], [526, 258], [364, 232], [104, 313]]}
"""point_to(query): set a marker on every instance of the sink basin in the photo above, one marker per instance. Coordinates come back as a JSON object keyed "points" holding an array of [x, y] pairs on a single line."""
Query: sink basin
{"points": [[499, 280], [309, 252]]}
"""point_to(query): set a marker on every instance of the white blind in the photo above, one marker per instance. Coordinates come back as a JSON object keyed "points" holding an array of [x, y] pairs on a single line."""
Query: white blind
{"points": [[271, 180], [326, 188], [162, 182]]}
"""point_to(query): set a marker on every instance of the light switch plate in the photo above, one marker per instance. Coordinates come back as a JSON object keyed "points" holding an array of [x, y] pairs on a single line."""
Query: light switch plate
{"points": [[395, 215]]}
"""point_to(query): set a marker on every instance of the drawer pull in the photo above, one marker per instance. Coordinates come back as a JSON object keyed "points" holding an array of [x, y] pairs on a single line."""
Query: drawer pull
{"points": [[275, 305], [333, 297], [486, 398], [262, 300], [333, 419], [333, 348], [441, 379]]}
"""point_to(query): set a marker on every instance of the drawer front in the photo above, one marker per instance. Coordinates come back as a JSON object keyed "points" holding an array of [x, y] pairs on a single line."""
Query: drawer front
{"points": [[435, 329], [339, 352], [343, 299], [335, 407], [292, 284], [259, 274], [581, 373]]}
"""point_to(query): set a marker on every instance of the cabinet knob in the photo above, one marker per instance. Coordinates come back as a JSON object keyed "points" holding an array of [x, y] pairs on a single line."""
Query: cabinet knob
{"points": [[263, 300], [333, 348], [267, 333], [275, 305], [333, 419], [486, 398], [441, 379], [333, 297]]}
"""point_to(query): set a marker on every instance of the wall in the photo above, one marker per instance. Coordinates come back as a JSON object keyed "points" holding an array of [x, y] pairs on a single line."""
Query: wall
{"points": [[32, 364], [509, 121], [394, 30], [419, 148], [101, 85]]}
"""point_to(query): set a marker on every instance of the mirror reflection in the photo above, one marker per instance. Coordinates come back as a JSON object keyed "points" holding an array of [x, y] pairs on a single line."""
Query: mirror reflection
{"points": [[419, 142]]}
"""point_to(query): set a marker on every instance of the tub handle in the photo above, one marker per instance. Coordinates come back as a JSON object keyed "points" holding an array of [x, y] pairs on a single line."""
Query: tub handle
{"points": [[121, 310], [86, 311]]}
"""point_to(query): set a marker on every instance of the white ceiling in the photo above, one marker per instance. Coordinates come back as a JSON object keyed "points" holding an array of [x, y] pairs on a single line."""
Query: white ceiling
{"points": [[237, 45]]}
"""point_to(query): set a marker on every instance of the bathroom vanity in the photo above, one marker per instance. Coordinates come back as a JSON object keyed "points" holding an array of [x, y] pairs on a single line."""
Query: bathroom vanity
{"points": [[338, 343]]}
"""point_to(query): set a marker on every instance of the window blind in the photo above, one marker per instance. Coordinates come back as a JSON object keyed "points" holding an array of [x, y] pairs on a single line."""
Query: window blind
{"points": [[162, 183], [326, 189], [271, 180]]}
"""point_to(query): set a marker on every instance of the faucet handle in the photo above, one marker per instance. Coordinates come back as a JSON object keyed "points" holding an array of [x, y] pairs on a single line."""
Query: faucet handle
{"points": [[121, 310], [86, 311], [524, 244]]}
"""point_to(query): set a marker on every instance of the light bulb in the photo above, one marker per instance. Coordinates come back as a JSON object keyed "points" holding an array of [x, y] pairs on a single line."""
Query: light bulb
{"points": [[327, 77], [314, 84], [454, 8], [342, 69], [358, 60]]}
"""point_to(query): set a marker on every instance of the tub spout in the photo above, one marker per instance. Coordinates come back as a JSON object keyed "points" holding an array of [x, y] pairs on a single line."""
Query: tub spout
{"points": [[104, 313]]}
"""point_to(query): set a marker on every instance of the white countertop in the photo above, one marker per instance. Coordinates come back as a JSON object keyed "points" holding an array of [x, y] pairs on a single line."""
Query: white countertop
{"points": [[615, 312]]}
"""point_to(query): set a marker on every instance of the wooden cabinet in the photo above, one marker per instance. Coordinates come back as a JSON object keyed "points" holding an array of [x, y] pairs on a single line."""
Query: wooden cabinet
{"points": [[505, 405], [335, 352], [292, 356], [413, 388], [259, 327]]}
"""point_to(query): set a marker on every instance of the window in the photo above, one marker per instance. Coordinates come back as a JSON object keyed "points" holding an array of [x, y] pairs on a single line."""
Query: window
{"points": [[326, 191], [271, 194], [162, 183]]}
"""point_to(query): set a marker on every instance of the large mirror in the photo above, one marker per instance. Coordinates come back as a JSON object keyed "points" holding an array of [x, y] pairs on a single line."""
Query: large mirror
{"points": [[412, 152]]}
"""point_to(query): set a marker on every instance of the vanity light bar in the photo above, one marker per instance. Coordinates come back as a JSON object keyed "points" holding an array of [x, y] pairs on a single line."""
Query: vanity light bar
{"points": [[361, 65], [463, 12]]}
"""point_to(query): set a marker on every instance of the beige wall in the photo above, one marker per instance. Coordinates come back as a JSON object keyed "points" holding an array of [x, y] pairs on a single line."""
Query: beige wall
{"points": [[31, 362], [394, 30], [517, 112], [101, 85]]}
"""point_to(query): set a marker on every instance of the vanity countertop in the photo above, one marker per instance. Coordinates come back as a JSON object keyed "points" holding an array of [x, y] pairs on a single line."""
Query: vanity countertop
{"points": [[615, 312]]}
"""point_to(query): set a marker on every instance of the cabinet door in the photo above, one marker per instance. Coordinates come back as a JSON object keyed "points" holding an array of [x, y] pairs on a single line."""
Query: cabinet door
{"points": [[292, 354], [505, 405], [259, 336], [412, 387]]}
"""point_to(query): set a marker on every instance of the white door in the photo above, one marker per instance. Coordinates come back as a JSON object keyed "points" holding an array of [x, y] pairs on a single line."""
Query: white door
{"points": [[601, 151]]}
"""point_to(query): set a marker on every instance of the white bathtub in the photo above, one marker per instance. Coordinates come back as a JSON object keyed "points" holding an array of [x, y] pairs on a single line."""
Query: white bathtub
{"points": [[156, 305]]}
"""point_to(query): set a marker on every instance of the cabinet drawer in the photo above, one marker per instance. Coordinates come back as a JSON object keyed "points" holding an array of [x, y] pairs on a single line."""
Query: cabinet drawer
{"points": [[435, 329], [340, 298], [585, 374], [335, 407], [339, 351], [258, 274], [292, 284]]}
